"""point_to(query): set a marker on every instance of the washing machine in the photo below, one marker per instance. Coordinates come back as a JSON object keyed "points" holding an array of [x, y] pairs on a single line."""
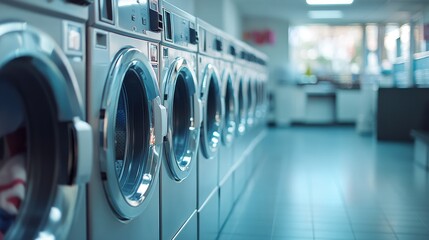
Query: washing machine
{"points": [[241, 144], [250, 137], [251, 93], [260, 109], [255, 121], [229, 130], [261, 97], [180, 91], [128, 118], [209, 57], [258, 95], [262, 62], [240, 78], [45, 145], [257, 133]]}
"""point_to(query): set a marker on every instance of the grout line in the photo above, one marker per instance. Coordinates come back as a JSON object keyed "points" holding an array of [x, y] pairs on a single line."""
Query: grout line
{"points": [[250, 182], [423, 222], [310, 197], [277, 203], [194, 214], [346, 209], [388, 223]]}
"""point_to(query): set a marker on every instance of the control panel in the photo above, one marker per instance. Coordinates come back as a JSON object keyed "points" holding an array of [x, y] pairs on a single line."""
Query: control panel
{"points": [[137, 16], [210, 42], [179, 30]]}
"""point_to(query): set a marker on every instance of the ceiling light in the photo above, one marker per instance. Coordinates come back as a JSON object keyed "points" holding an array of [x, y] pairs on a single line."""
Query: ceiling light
{"points": [[329, 2], [325, 14]]}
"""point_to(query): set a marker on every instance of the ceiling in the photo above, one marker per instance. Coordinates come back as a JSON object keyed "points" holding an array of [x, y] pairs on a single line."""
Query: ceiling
{"points": [[360, 11]]}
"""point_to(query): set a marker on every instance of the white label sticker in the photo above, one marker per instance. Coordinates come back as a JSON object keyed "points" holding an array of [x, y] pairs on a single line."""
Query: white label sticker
{"points": [[73, 38]]}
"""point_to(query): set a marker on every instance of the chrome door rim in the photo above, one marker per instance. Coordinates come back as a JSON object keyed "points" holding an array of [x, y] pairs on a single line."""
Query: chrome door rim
{"points": [[258, 105], [181, 166], [241, 93], [250, 102], [210, 142], [146, 156], [230, 115]]}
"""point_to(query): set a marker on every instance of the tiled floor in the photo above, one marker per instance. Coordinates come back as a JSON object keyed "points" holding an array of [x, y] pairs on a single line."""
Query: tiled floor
{"points": [[331, 183]]}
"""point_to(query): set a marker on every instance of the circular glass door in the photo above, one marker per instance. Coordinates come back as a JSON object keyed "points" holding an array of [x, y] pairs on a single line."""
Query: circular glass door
{"points": [[184, 108], [230, 113], [250, 102], [132, 138], [263, 97], [13, 153], [212, 112], [43, 142], [258, 105], [241, 99]]}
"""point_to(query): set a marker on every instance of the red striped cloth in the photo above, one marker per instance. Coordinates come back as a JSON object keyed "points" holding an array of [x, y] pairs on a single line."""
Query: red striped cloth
{"points": [[13, 175]]}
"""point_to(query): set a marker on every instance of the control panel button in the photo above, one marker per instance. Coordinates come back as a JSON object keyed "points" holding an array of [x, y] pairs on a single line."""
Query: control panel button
{"points": [[232, 51], [81, 2], [193, 36], [218, 45], [155, 21]]}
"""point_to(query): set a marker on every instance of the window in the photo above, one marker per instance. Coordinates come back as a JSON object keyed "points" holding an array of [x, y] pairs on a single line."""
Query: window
{"points": [[333, 52]]}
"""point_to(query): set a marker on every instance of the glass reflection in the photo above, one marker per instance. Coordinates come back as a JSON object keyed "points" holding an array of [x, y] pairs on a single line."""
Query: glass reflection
{"points": [[241, 108], [229, 118], [121, 133], [213, 117], [132, 135], [250, 107], [182, 121], [13, 150]]}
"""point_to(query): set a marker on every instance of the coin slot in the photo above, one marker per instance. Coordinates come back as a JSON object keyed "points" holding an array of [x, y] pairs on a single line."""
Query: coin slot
{"points": [[168, 31]]}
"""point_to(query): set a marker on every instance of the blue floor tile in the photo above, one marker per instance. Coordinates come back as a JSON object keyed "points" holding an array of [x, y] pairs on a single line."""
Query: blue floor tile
{"points": [[331, 183]]}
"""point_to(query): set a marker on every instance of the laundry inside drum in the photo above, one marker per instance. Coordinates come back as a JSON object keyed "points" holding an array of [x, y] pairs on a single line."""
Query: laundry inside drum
{"points": [[13, 154]]}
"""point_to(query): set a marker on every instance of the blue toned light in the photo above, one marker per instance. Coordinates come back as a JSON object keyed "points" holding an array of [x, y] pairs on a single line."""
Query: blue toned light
{"points": [[329, 2], [325, 14]]}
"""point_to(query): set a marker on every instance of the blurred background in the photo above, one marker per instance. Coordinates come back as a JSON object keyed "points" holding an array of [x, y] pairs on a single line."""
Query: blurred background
{"points": [[327, 61]]}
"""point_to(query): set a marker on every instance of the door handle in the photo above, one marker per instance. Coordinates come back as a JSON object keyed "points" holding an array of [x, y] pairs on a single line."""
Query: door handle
{"points": [[160, 115], [83, 151]]}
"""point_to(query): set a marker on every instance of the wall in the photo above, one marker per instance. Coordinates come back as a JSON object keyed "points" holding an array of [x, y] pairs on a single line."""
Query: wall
{"points": [[210, 11], [222, 14], [426, 21], [232, 19], [279, 70], [278, 52], [186, 5]]}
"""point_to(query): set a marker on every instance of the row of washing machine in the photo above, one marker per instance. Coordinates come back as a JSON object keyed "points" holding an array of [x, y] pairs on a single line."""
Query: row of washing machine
{"points": [[123, 119]]}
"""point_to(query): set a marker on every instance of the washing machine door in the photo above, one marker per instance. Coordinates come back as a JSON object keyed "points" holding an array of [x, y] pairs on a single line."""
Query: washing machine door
{"points": [[250, 102], [211, 126], [264, 103], [133, 124], [258, 101], [45, 147], [241, 92], [230, 109], [181, 99]]}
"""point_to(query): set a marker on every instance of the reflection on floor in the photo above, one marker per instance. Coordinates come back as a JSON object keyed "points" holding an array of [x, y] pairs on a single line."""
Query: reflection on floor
{"points": [[331, 183]]}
